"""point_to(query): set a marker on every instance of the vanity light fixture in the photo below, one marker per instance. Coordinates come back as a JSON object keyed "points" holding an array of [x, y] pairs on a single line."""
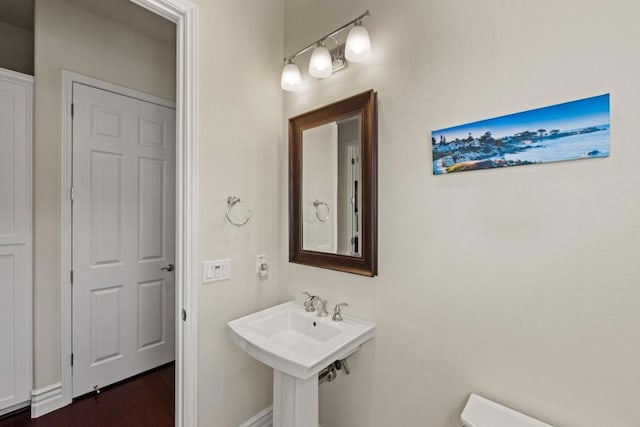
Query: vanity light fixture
{"points": [[320, 64], [291, 78], [358, 47], [323, 62]]}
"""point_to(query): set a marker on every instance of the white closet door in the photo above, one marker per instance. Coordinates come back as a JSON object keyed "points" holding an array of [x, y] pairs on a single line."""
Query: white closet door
{"points": [[123, 237], [15, 239]]}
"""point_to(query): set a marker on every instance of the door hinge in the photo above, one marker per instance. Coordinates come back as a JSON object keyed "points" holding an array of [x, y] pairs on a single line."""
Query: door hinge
{"points": [[72, 193], [71, 276], [72, 109], [71, 359], [184, 315]]}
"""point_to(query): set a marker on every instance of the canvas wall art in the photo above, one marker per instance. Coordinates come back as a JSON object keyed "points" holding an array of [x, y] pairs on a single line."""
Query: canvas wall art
{"points": [[569, 131]]}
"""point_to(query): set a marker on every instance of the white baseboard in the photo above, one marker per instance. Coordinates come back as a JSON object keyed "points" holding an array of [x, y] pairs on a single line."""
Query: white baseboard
{"points": [[263, 418], [14, 408], [47, 399]]}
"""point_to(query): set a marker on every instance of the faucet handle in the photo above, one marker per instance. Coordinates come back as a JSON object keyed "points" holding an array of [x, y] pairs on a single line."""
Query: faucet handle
{"points": [[309, 302], [337, 312]]}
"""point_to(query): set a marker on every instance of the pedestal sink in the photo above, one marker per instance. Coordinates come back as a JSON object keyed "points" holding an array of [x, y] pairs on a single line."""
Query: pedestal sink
{"points": [[297, 345]]}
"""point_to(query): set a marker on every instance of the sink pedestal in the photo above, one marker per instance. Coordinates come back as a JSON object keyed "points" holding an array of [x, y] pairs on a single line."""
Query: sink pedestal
{"points": [[297, 344], [295, 401]]}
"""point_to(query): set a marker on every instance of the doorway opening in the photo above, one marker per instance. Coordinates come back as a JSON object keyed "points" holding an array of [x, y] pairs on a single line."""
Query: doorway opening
{"points": [[122, 234], [178, 265]]}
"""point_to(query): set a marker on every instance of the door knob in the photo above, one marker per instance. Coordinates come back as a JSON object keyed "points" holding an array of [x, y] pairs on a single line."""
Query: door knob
{"points": [[168, 267]]}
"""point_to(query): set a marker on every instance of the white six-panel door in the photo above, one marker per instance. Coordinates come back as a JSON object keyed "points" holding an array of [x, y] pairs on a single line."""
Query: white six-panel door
{"points": [[15, 239], [123, 212]]}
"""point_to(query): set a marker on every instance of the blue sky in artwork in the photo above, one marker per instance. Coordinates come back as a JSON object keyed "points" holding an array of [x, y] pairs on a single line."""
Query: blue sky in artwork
{"points": [[570, 115]]}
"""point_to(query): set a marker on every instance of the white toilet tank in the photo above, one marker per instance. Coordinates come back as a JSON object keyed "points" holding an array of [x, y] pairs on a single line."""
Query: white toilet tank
{"points": [[481, 412]]}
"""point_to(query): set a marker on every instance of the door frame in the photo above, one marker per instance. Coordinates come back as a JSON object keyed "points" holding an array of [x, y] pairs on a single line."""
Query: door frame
{"points": [[184, 14]]}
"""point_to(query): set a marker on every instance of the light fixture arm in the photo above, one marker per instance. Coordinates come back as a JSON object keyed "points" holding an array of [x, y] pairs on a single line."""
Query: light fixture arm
{"points": [[331, 34]]}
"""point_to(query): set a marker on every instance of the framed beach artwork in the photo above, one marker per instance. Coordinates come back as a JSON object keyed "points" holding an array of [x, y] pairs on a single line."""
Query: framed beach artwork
{"points": [[570, 131]]}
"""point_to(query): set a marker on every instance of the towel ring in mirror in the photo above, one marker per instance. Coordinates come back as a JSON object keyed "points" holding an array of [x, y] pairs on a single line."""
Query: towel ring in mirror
{"points": [[316, 204], [231, 202]]}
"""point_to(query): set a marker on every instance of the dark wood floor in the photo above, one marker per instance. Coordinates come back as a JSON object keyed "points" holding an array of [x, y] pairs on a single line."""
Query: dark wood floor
{"points": [[145, 400]]}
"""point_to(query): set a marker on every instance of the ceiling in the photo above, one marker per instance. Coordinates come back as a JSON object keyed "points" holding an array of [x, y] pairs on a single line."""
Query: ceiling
{"points": [[129, 15], [18, 13]]}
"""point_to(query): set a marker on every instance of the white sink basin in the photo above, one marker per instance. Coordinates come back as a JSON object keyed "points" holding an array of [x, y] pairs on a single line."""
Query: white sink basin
{"points": [[297, 343]]}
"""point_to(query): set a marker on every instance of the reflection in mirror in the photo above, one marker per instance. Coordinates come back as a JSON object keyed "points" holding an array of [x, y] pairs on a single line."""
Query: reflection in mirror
{"points": [[331, 187]]}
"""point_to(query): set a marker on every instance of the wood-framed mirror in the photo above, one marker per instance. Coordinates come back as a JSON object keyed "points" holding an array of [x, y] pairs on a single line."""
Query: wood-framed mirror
{"points": [[333, 186]]}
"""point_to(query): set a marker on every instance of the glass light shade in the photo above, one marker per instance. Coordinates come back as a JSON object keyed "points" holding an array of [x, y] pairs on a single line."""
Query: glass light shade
{"points": [[291, 79], [320, 65], [358, 47]]}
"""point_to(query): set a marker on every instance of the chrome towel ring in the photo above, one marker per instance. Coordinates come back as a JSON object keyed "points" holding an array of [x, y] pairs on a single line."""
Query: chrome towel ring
{"points": [[316, 204], [231, 202]]}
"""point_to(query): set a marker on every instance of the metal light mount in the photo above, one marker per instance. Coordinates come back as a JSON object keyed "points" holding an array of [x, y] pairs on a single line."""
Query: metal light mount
{"points": [[338, 60]]}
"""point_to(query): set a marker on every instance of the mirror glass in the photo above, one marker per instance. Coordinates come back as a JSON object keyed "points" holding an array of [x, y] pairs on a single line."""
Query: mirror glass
{"points": [[331, 187], [333, 218]]}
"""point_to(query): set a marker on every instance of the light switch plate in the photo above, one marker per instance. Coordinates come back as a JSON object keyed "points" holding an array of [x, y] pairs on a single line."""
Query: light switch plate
{"points": [[215, 271], [260, 259]]}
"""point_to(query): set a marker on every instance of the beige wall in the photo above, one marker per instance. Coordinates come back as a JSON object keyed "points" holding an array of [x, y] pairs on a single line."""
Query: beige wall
{"points": [[240, 113], [16, 48], [71, 38], [520, 284]]}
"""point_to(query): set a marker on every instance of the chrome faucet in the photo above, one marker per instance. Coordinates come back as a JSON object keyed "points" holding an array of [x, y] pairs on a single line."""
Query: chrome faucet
{"points": [[321, 306]]}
